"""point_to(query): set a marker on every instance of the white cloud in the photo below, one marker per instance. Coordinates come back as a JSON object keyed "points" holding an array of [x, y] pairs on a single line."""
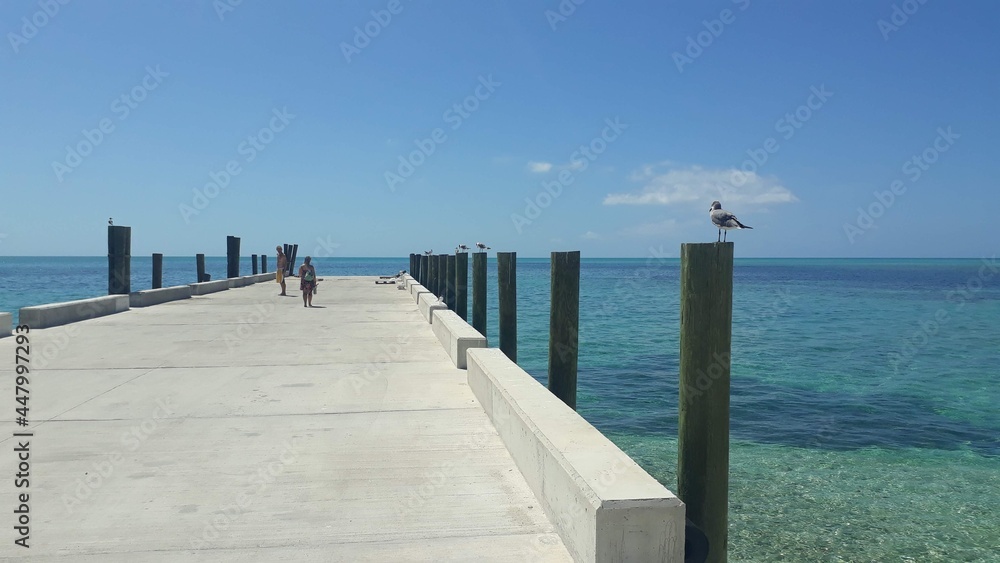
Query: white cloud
{"points": [[540, 167], [668, 184], [591, 235]]}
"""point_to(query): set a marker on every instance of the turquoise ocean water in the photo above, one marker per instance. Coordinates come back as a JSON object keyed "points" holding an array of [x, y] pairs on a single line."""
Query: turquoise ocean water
{"points": [[865, 393]]}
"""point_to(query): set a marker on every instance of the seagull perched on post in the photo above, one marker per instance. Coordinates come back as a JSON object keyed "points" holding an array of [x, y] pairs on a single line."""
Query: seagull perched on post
{"points": [[111, 221], [462, 248], [428, 252], [724, 220], [482, 247]]}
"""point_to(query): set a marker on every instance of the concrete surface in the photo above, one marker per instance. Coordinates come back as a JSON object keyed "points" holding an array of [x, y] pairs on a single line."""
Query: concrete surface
{"points": [[6, 324], [455, 335], [148, 297], [242, 426], [204, 288], [427, 303], [416, 289], [55, 314], [604, 505]]}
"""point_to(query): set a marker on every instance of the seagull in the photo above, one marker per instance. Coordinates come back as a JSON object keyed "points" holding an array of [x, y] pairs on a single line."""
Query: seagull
{"points": [[482, 246], [724, 220], [111, 221], [428, 252], [462, 248]]}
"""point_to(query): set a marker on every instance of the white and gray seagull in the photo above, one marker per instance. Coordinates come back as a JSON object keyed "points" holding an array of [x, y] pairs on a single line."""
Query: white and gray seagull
{"points": [[462, 248], [724, 220], [482, 247]]}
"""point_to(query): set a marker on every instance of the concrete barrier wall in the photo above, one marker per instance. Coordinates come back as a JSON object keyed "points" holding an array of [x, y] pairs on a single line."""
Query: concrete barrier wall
{"points": [[269, 276], [6, 324], [456, 335], [416, 289], [604, 506], [205, 288], [236, 282], [150, 297], [428, 303], [55, 314]]}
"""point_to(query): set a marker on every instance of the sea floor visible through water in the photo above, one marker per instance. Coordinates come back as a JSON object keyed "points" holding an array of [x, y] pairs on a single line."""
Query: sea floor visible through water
{"points": [[865, 393]]}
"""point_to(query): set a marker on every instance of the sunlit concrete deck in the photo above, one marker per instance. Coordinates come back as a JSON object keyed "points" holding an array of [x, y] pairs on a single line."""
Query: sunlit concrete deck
{"points": [[243, 426]]}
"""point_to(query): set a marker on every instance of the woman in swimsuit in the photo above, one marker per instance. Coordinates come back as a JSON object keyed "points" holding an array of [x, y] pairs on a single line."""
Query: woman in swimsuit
{"points": [[307, 283]]}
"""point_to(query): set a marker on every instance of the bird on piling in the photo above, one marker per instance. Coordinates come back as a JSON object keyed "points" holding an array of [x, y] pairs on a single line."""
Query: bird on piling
{"points": [[111, 222], [462, 248], [724, 220], [428, 252], [482, 247]]}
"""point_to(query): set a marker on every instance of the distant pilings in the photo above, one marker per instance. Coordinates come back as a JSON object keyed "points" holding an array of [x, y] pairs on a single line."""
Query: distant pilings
{"points": [[157, 270], [424, 267], [263, 263], [232, 257], [253, 264], [199, 260], [119, 260], [479, 292], [449, 281], [442, 275], [462, 285]]}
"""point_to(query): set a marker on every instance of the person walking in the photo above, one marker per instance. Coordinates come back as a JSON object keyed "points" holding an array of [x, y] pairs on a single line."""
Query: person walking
{"points": [[282, 267], [307, 275]]}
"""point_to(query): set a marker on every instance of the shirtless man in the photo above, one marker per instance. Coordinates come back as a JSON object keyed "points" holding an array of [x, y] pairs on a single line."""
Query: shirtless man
{"points": [[282, 268]]}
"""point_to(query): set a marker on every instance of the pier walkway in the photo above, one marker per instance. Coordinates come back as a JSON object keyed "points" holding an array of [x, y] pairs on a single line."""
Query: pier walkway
{"points": [[242, 426]]}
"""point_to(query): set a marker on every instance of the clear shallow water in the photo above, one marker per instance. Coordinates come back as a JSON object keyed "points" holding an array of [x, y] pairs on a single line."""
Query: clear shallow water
{"points": [[865, 393]]}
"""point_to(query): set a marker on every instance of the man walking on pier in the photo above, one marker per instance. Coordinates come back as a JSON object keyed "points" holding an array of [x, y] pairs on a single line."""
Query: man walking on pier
{"points": [[282, 266]]}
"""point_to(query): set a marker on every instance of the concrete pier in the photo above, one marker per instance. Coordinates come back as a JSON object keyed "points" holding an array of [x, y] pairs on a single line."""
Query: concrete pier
{"points": [[241, 425]]}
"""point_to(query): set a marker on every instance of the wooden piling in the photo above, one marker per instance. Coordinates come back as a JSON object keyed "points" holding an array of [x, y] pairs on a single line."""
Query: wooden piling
{"points": [[479, 292], [288, 259], [462, 285], [232, 257], [415, 272], [199, 260], [263, 263], [564, 322], [291, 261], [253, 264], [449, 281], [424, 269], [157, 270], [119, 260], [507, 288], [442, 274], [703, 416]]}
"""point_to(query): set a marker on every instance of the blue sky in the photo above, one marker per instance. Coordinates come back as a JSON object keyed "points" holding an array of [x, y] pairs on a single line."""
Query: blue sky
{"points": [[604, 127]]}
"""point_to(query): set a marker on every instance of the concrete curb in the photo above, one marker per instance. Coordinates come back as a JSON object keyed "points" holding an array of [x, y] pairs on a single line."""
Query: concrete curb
{"points": [[6, 324], [148, 297], [603, 505], [55, 314], [205, 288], [456, 335], [416, 289], [428, 303]]}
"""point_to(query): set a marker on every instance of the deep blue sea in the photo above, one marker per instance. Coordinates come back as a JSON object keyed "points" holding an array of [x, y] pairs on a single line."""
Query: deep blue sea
{"points": [[865, 393]]}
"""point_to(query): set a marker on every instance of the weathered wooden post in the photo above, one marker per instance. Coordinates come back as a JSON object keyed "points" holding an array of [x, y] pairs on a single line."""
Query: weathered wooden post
{"points": [[263, 263], [449, 281], [157, 270], [291, 261], [507, 287], [232, 257], [479, 292], [415, 272], [462, 285], [703, 415], [564, 322], [119, 260], [199, 260], [431, 274], [288, 259], [442, 275], [253, 264], [424, 267]]}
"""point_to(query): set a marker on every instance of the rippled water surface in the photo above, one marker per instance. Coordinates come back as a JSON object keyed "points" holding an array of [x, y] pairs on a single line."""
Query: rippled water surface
{"points": [[865, 393]]}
